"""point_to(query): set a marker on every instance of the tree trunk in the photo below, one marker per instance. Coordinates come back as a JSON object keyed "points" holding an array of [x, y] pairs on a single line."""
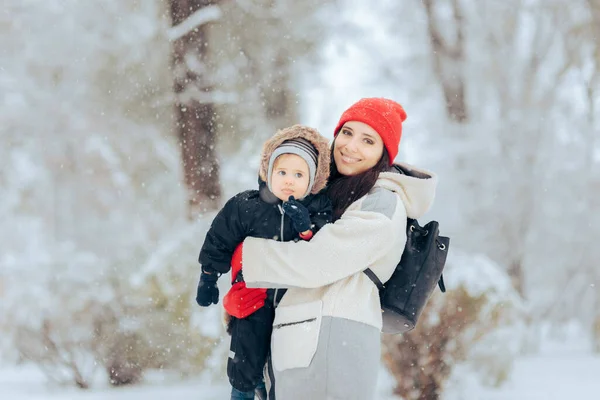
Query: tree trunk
{"points": [[517, 276], [594, 6], [271, 65], [448, 61], [195, 110], [279, 100]]}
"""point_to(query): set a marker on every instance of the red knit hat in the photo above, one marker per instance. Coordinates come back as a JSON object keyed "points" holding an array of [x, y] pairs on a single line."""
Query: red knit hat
{"points": [[383, 115]]}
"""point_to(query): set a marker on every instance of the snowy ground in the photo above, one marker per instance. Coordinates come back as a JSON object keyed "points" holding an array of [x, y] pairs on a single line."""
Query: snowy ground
{"points": [[555, 376], [551, 378]]}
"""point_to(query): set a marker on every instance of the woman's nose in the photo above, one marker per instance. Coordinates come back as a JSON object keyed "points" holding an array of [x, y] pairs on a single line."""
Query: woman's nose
{"points": [[352, 145]]}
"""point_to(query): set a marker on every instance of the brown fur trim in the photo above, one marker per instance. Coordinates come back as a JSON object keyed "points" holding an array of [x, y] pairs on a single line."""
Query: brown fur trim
{"points": [[226, 321], [305, 132]]}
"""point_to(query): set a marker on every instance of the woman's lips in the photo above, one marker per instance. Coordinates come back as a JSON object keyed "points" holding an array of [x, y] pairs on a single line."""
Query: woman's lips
{"points": [[349, 160]]}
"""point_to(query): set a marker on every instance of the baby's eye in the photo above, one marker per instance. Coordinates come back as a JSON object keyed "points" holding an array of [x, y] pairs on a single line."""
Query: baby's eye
{"points": [[299, 175], [282, 173]]}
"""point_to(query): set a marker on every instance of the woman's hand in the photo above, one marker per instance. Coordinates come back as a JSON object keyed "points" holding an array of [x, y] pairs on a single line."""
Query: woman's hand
{"points": [[298, 214], [241, 301]]}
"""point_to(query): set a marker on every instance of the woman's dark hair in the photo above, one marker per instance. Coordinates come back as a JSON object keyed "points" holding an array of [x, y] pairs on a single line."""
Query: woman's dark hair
{"points": [[345, 190]]}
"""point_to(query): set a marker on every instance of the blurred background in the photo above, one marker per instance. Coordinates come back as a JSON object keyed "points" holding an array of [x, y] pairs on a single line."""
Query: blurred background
{"points": [[125, 124]]}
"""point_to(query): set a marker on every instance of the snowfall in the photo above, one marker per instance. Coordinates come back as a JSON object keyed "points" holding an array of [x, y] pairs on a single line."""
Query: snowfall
{"points": [[562, 363]]}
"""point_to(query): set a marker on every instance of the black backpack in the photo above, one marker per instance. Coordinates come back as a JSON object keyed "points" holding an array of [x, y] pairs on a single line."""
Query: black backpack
{"points": [[404, 295]]}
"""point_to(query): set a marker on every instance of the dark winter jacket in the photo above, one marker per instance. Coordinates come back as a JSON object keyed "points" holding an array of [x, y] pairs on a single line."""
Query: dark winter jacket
{"points": [[258, 213], [255, 213], [249, 214]]}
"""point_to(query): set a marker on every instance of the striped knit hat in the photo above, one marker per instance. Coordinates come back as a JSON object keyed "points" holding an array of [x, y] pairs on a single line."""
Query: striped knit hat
{"points": [[302, 148]]}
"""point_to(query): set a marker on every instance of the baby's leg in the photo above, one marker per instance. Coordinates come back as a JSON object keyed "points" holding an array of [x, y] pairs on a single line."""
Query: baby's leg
{"points": [[250, 342]]}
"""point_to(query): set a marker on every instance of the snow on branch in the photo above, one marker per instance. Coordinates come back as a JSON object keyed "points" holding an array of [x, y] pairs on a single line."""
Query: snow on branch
{"points": [[200, 17]]}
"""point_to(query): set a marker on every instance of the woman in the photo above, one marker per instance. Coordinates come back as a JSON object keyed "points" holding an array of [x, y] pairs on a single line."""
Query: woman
{"points": [[326, 334]]}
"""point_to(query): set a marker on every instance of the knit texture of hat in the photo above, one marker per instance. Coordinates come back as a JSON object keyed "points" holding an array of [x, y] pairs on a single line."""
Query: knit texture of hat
{"points": [[302, 148], [383, 115]]}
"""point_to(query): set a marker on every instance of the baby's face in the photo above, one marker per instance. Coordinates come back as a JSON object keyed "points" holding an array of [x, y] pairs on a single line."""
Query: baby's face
{"points": [[290, 177]]}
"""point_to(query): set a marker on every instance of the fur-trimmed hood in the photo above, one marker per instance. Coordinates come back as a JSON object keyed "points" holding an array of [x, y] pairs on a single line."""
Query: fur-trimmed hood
{"points": [[299, 131]]}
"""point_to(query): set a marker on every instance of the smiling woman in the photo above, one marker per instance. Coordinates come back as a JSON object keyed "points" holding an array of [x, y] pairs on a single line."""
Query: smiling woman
{"points": [[358, 148], [366, 142], [326, 332]]}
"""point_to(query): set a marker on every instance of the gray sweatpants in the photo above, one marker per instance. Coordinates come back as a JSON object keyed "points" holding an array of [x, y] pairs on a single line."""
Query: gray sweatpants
{"points": [[344, 366]]}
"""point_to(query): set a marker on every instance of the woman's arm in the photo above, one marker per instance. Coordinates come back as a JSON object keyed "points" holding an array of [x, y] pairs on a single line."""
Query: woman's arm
{"points": [[350, 245]]}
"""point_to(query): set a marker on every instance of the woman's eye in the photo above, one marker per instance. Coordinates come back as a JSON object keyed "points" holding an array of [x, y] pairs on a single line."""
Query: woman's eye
{"points": [[346, 132], [369, 141]]}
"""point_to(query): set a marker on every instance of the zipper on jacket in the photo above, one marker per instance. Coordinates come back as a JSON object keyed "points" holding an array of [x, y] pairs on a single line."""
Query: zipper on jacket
{"points": [[282, 219], [293, 323], [281, 239]]}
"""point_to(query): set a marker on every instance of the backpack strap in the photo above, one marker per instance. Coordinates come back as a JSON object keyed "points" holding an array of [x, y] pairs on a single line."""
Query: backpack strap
{"points": [[441, 284], [374, 278], [380, 285]]}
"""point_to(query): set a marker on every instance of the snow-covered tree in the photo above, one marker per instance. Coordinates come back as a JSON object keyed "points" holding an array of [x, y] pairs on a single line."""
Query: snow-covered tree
{"points": [[96, 247], [478, 321], [262, 47], [90, 184]]}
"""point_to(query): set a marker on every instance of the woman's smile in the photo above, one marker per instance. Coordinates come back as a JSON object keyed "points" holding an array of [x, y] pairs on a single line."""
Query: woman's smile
{"points": [[349, 160]]}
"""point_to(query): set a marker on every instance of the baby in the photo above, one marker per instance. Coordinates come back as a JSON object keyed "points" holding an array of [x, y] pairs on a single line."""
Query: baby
{"points": [[287, 206]]}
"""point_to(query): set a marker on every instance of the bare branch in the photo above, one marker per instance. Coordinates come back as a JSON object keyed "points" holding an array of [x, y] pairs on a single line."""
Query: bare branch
{"points": [[202, 16], [448, 62]]}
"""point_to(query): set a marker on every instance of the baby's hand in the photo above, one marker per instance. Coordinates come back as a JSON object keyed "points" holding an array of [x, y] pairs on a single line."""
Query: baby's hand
{"points": [[208, 292], [298, 214]]}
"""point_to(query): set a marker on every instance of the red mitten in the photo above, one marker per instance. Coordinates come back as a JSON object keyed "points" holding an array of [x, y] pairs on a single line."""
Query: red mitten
{"points": [[236, 261], [306, 236], [241, 301]]}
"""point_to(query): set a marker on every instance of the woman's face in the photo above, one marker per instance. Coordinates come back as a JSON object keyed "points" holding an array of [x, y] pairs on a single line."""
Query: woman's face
{"points": [[356, 148]]}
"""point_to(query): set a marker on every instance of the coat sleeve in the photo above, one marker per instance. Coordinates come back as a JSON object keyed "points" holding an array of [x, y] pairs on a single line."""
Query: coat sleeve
{"points": [[226, 232], [350, 245]]}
